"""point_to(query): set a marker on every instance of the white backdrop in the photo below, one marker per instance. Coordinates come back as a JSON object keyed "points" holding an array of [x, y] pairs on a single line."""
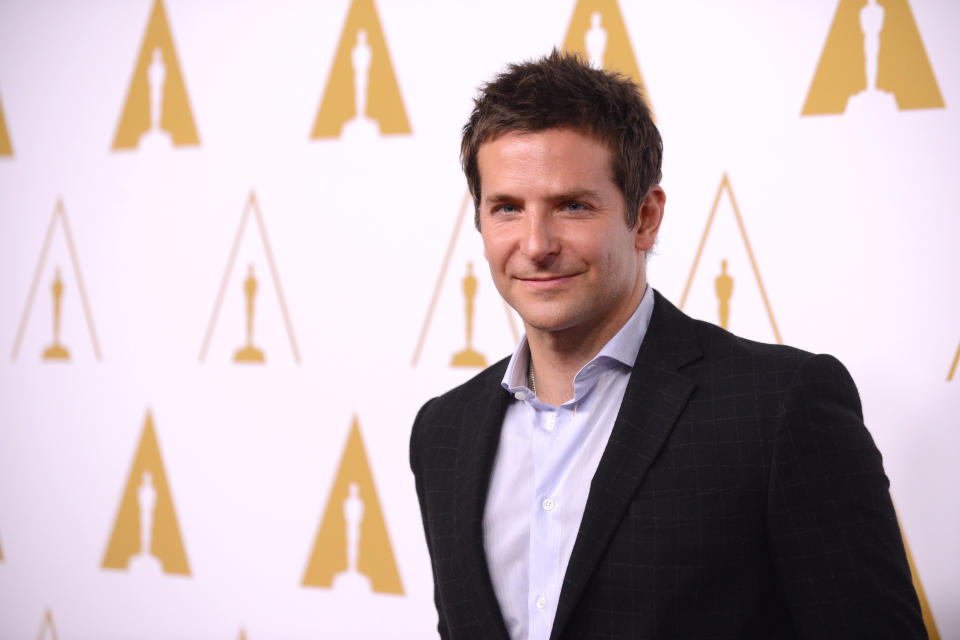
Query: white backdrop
{"points": [[359, 243]]}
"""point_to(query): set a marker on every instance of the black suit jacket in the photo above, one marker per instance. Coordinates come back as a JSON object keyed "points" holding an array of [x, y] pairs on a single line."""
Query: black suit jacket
{"points": [[739, 496]]}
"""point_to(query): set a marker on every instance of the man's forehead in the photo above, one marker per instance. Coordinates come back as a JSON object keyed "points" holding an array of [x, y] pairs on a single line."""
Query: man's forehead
{"points": [[558, 152], [523, 132]]}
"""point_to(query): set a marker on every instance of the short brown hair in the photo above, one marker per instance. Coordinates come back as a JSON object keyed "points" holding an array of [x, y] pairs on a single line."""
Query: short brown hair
{"points": [[562, 91]]}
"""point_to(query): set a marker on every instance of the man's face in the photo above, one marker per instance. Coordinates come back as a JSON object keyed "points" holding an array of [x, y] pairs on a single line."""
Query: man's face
{"points": [[554, 231]]}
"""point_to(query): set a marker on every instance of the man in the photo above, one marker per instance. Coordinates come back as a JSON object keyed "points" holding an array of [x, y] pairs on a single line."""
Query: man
{"points": [[631, 472]]}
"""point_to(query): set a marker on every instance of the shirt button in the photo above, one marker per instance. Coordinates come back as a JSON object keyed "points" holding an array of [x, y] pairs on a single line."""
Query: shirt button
{"points": [[541, 603], [548, 505], [520, 395], [551, 422]]}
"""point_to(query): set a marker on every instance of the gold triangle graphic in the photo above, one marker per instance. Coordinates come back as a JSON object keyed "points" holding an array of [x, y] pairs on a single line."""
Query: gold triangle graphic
{"points": [[352, 546], [953, 367], [6, 149], [146, 513], [58, 214], [925, 610], [902, 66], [362, 73], [46, 625], [156, 108], [424, 330], [725, 185], [251, 206], [597, 31]]}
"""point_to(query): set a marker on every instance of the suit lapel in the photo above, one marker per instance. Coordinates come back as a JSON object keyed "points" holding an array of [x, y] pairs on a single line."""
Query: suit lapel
{"points": [[482, 421], [655, 396]]}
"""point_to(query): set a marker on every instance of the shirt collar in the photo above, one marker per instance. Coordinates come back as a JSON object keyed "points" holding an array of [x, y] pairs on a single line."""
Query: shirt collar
{"points": [[623, 347]]}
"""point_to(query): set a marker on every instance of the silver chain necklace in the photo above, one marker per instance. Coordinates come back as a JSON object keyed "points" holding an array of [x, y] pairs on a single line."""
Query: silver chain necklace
{"points": [[531, 381]]}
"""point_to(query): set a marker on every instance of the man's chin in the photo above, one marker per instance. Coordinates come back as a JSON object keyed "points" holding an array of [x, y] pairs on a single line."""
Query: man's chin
{"points": [[546, 322]]}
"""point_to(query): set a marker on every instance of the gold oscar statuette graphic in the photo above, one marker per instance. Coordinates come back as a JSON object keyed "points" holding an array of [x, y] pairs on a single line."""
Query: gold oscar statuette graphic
{"points": [[362, 96], [1, 552], [146, 537], [56, 352], [468, 357], [48, 631], [873, 60], [249, 353], [953, 367], [242, 635], [352, 551], [156, 113], [597, 32], [6, 148], [721, 283], [724, 288], [469, 284]]}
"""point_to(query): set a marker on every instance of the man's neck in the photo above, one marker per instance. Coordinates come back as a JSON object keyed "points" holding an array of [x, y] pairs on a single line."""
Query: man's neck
{"points": [[557, 356]]}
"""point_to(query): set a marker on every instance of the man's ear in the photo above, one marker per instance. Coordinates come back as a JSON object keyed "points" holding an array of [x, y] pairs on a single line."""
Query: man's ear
{"points": [[649, 217]]}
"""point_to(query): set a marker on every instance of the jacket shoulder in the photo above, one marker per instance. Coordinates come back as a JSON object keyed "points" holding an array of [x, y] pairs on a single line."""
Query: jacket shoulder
{"points": [[677, 340], [720, 343], [726, 361], [439, 419]]}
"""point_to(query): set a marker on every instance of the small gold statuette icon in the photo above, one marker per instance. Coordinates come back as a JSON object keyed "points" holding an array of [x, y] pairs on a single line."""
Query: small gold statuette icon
{"points": [[249, 353], [724, 287], [468, 357], [56, 351]]}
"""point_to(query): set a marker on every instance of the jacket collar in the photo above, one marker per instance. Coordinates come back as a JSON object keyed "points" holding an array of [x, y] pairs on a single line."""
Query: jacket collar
{"points": [[655, 396]]}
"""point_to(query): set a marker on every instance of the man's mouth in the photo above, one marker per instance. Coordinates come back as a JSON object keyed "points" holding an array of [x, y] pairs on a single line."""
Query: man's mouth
{"points": [[541, 281]]}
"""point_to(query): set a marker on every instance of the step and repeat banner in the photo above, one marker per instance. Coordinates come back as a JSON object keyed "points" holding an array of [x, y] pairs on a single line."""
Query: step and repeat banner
{"points": [[237, 255]]}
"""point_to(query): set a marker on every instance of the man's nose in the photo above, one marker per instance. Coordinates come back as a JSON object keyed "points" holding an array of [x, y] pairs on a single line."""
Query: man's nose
{"points": [[540, 240]]}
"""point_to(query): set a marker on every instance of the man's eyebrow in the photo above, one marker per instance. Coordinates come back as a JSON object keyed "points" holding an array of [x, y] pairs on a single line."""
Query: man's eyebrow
{"points": [[573, 194], [576, 194], [499, 198]]}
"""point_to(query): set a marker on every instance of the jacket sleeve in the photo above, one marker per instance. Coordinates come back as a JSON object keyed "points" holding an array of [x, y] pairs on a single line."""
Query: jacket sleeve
{"points": [[424, 515], [834, 536]]}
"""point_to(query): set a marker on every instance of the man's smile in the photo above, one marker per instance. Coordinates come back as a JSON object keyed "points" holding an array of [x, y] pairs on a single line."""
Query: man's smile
{"points": [[546, 281]]}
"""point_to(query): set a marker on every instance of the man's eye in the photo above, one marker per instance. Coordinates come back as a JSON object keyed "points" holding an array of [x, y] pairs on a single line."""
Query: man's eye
{"points": [[505, 208], [575, 206]]}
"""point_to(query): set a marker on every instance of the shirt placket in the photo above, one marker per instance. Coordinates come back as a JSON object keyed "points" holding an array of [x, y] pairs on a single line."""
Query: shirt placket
{"points": [[545, 528]]}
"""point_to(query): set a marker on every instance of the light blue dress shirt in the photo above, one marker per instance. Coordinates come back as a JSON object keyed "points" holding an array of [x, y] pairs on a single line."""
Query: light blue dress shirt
{"points": [[541, 476]]}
